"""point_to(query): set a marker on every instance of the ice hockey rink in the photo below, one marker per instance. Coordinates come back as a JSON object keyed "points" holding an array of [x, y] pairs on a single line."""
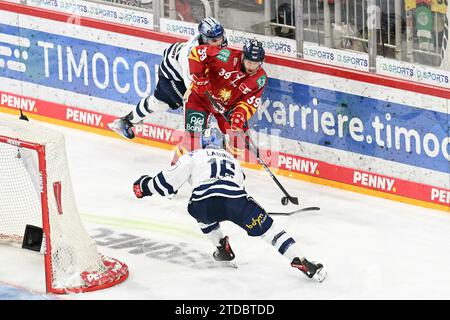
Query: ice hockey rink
{"points": [[371, 248]]}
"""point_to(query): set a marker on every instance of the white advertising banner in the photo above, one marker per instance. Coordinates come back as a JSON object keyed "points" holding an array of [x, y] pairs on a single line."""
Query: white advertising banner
{"points": [[371, 132], [102, 12], [341, 58], [413, 72], [274, 45]]}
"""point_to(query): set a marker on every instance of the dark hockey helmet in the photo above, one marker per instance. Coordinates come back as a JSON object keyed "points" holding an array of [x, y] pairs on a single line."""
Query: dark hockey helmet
{"points": [[212, 138], [209, 29], [253, 50]]}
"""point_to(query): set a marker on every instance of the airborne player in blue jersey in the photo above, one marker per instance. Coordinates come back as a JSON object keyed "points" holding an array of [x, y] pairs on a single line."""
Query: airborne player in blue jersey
{"points": [[218, 195]]}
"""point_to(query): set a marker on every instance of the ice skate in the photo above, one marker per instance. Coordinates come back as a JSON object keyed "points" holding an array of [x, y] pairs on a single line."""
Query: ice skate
{"points": [[224, 254], [123, 126], [310, 269]]}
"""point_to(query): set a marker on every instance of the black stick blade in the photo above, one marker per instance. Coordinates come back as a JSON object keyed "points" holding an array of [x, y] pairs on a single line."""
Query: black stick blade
{"points": [[293, 212]]}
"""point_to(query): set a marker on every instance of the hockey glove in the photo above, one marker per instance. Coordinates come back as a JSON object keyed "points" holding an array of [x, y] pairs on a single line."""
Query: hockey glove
{"points": [[200, 84], [237, 120], [140, 187]]}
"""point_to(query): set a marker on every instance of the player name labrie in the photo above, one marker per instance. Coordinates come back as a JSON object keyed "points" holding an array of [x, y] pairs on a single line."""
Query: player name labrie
{"points": [[226, 309]]}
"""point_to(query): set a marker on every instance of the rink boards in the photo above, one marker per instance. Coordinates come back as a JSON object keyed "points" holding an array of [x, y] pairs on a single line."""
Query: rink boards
{"points": [[337, 127]]}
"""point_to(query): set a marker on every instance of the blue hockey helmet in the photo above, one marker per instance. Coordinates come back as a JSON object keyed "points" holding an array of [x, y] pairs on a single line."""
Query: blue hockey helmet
{"points": [[209, 29], [212, 138], [253, 50]]}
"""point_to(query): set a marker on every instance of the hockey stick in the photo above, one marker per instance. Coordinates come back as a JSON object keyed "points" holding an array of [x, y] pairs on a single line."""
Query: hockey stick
{"points": [[294, 212], [251, 146]]}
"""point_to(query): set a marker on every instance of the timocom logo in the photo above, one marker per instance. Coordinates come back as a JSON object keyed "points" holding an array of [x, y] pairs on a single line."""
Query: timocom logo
{"points": [[442, 196], [13, 51]]}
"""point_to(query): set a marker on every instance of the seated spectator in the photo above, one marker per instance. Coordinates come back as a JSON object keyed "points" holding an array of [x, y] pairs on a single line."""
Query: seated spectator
{"points": [[285, 16]]}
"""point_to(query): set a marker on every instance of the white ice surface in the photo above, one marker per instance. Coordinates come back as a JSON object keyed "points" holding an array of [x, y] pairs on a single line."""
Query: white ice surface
{"points": [[371, 248]]}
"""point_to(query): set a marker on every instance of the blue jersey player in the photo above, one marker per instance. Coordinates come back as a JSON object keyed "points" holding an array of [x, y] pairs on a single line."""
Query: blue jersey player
{"points": [[218, 195]]}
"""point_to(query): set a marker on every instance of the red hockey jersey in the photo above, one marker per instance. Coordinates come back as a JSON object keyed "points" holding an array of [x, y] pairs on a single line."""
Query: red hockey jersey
{"points": [[230, 86]]}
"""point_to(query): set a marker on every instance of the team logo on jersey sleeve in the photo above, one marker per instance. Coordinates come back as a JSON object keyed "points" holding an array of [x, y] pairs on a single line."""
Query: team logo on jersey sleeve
{"points": [[224, 55], [261, 81]]}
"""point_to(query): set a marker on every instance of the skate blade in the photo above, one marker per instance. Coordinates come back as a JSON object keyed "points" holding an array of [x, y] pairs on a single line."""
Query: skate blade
{"points": [[113, 126], [320, 275], [228, 264]]}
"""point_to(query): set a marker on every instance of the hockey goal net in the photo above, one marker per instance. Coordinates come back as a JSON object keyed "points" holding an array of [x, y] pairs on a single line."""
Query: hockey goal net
{"points": [[36, 190]]}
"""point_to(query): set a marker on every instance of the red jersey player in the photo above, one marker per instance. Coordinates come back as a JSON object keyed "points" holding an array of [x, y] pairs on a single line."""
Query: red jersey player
{"points": [[235, 79]]}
